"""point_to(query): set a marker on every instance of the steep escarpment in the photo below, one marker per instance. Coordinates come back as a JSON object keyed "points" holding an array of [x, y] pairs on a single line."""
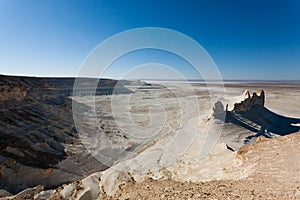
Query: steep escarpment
{"points": [[39, 143], [19, 88], [30, 110], [35, 124]]}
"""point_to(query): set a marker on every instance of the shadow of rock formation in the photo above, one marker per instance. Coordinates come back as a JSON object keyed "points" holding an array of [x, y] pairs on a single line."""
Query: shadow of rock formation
{"points": [[262, 121], [253, 116]]}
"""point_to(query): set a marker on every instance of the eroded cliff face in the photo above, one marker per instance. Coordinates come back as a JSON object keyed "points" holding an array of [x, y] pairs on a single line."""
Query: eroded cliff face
{"points": [[35, 124], [39, 143], [12, 92], [20, 88], [258, 98]]}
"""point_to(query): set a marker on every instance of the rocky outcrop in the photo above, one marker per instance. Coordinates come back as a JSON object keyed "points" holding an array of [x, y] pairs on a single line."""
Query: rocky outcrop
{"points": [[218, 109], [12, 92], [251, 115], [19, 88], [258, 98]]}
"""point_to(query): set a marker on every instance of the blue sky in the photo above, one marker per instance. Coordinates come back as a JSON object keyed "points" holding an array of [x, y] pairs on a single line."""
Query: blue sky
{"points": [[246, 39]]}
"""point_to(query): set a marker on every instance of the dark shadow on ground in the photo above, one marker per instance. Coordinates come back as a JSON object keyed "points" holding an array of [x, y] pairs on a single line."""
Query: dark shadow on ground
{"points": [[263, 122]]}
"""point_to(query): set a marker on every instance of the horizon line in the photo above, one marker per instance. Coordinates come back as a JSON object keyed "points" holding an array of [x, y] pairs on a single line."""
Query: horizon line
{"points": [[152, 79]]}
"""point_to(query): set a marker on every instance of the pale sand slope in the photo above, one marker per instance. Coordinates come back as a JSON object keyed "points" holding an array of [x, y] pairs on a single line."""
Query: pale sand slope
{"points": [[275, 174], [177, 149]]}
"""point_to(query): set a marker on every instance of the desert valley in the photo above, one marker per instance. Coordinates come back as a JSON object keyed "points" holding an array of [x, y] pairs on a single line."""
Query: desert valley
{"points": [[183, 140]]}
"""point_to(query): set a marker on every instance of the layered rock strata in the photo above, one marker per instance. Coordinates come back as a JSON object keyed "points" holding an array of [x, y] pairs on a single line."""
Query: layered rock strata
{"points": [[39, 143]]}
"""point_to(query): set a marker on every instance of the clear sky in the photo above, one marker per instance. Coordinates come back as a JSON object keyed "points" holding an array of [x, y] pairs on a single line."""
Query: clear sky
{"points": [[251, 39]]}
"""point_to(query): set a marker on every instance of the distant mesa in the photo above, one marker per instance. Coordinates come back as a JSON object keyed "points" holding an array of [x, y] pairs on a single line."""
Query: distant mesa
{"points": [[19, 88], [89, 86]]}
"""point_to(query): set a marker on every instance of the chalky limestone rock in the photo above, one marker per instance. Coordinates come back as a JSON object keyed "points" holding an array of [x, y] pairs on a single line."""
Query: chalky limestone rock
{"points": [[258, 98]]}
